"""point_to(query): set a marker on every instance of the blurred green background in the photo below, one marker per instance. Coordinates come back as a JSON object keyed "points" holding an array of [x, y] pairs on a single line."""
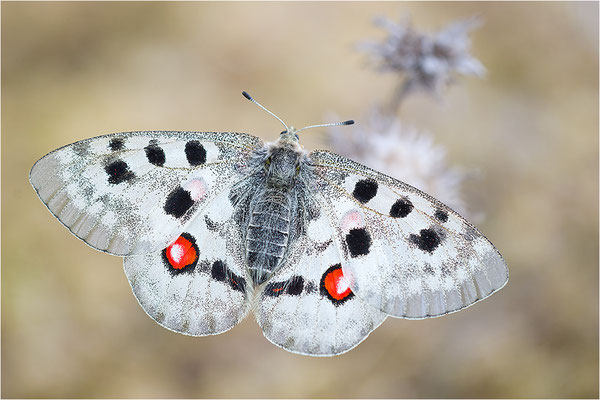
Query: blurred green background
{"points": [[70, 324]]}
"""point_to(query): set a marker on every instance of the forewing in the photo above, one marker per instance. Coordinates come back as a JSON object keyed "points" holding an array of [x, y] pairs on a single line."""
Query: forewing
{"points": [[306, 307], [133, 193], [404, 252], [197, 285]]}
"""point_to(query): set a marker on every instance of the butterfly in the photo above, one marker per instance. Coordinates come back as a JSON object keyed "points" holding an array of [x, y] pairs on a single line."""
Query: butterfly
{"points": [[213, 225]]}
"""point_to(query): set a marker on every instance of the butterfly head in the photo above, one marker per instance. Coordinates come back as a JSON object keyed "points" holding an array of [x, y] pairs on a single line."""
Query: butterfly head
{"points": [[290, 135]]}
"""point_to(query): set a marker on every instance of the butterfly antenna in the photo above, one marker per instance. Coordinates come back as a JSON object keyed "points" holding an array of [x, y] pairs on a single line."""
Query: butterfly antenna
{"points": [[246, 95], [349, 122]]}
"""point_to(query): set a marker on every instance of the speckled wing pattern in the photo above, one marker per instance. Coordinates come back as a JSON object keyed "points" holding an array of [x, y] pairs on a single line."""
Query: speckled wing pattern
{"points": [[198, 285], [305, 306], [403, 252], [134, 193]]}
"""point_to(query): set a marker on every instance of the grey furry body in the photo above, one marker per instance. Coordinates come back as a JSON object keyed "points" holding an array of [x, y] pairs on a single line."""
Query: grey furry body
{"points": [[274, 204]]}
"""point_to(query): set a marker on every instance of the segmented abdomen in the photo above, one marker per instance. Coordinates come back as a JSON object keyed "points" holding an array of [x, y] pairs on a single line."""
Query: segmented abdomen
{"points": [[268, 233]]}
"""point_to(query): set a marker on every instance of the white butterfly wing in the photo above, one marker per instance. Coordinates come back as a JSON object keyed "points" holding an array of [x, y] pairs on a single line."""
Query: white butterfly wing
{"points": [[133, 193], [404, 252], [198, 284], [305, 307]]}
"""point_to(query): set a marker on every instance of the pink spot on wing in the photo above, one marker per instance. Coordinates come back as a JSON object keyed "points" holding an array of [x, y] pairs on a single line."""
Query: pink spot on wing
{"points": [[352, 220], [197, 189]]}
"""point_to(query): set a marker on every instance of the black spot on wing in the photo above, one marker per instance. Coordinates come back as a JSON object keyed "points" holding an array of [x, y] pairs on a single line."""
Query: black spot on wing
{"points": [[401, 208], [441, 215], [237, 282], [365, 190], [359, 242], [274, 289], [178, 202], [427, 240], [116, 144], [218, 271], [195, 152], [221, 273], [293, 286], [118, 172], [155, 154]]}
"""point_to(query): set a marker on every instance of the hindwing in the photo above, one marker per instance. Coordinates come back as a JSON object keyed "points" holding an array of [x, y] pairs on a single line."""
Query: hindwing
{"points": [[198, 285], [307, 307]]}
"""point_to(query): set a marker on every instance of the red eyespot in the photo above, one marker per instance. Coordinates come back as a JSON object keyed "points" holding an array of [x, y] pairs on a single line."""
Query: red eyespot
{"points": [[182, 252], [335, 286]]}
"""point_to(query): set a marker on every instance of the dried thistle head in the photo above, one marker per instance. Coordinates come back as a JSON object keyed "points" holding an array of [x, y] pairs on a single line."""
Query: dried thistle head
{"points": [[428, 62]]}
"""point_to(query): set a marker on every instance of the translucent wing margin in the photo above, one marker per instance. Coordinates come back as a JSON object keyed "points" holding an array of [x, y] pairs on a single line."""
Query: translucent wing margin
{"points": [[134, 192], [404, 252]]}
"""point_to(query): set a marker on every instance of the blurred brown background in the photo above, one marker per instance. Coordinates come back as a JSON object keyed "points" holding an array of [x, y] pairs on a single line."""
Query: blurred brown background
{"points": [[70, 324]]}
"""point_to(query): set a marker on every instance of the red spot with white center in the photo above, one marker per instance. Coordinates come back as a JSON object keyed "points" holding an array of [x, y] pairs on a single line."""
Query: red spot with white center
{"points": [[197, 189], [335, 285], [182, 252], [352, 220]]}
